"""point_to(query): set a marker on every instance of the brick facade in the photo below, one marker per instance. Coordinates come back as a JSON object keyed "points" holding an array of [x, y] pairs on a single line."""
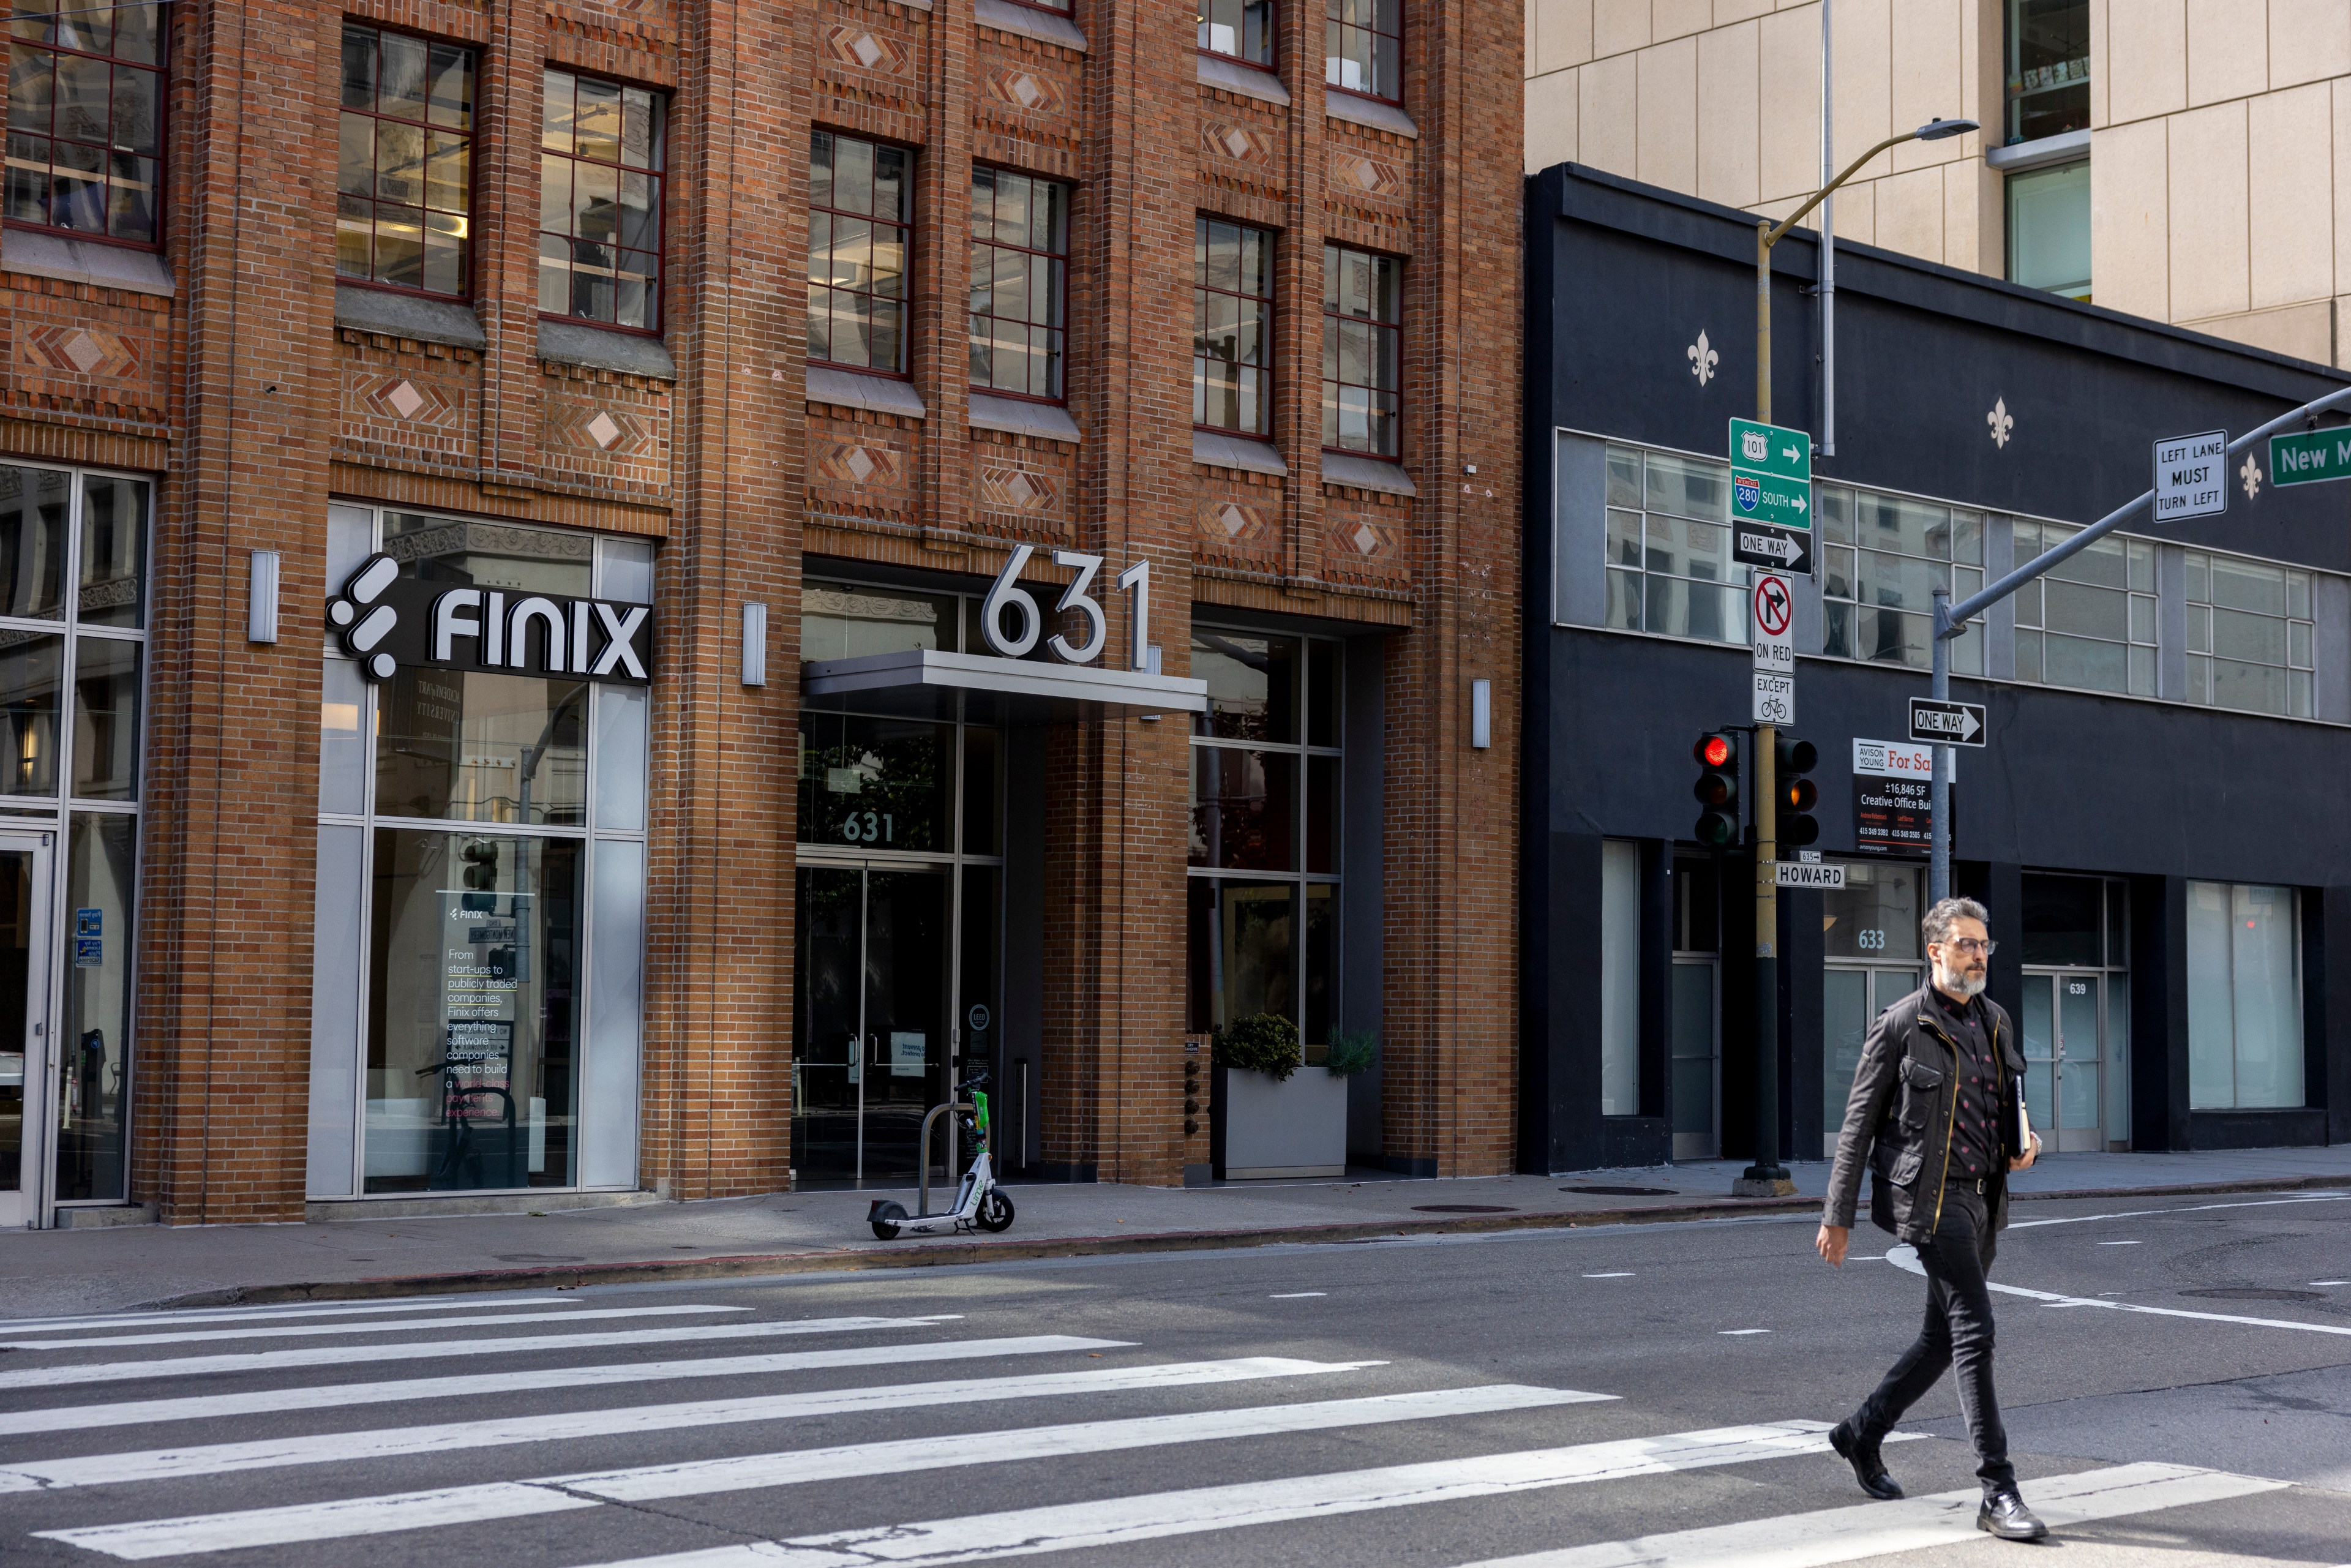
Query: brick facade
{"points": [[252, 404]]}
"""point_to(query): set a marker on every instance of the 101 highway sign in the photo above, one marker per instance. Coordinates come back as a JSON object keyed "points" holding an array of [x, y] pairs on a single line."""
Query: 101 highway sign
{"points": [[1947, 723], [1771, 496]]}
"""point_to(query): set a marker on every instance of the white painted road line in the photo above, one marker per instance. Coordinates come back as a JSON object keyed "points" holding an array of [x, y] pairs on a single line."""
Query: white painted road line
{"points": [[1915, 1524], [2184, 1209], [1906, 1258], [1625, 1275], [305, 1331], [430, 1350], [336, 1395], [634, 1420], [274, 1315], [1296, 1295], [853, 1462], [1118, 1522]]}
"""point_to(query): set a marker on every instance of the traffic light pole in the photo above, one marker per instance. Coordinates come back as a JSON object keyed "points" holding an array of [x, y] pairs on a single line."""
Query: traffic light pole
{"points": [[1767, 1178], [1952, 620]]}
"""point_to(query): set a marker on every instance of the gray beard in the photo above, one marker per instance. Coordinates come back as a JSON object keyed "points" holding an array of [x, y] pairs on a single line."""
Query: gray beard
{"points": [[1964, 987]]}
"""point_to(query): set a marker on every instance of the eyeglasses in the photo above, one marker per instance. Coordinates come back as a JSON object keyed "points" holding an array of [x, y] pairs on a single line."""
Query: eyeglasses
{"points": [[1970, 945]]}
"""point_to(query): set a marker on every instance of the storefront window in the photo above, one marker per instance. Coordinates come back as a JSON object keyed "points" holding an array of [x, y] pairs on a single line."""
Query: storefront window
{"points": [[2249, 635], [1883, 559], [68, 856], [476, 1020], [2090, 621], [1871, 940], [1265, 837], [2244, 997]]}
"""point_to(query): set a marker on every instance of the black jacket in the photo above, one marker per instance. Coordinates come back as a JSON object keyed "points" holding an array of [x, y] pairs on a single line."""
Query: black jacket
{"points": [[1898, 1120]]}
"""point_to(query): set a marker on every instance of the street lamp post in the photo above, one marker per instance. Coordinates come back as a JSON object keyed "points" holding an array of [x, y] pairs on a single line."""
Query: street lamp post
{"points": [[1767, 1178]]}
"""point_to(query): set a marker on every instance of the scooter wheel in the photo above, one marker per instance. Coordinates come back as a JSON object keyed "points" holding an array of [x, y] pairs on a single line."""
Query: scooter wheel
{"points": [[995, 1211], [885, 1218]]}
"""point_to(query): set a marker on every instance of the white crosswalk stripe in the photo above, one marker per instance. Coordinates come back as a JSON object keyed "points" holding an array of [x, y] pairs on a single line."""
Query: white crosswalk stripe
{"points": [[299, 1331], [434, 1350], [732, 1444], [854, 1461], [11, 1327], [1915, 1524]]}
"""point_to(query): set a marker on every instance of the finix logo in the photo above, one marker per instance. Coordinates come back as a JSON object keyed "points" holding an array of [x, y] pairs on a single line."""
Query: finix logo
{"points": [[386, 620], [363, 623]]}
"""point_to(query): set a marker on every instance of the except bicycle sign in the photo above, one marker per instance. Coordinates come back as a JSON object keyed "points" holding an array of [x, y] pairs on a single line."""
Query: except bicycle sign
{"points": [[1771, 607]]}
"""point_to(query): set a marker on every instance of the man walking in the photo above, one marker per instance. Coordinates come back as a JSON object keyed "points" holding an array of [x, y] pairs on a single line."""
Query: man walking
{"points": [[1935, 1116]]}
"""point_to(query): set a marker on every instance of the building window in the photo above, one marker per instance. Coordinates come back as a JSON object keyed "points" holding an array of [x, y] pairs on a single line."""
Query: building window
{"points": [[1882, 558], [1669, 565], [404, 179], [1062, 7], [2049, 229], [2089, 622], [2244, 997], [476, 1009], [1362, 45], [1019, 265], [861, 197], [86, 120], [2048, 69], [1240, 30], [1265, 833], [1232, 316], [2249, 635], [600, 202], [73, 596], [1362, 350]]}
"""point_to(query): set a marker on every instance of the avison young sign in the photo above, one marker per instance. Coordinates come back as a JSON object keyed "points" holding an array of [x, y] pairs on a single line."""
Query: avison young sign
{"points": [[385, 621]]}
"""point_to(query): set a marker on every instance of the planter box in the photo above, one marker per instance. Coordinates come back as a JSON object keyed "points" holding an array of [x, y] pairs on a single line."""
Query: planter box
{"points": [[1259, 1128]]}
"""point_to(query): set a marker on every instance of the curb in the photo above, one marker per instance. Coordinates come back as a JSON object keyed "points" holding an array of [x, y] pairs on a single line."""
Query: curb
{"points": [[931, 1256]]}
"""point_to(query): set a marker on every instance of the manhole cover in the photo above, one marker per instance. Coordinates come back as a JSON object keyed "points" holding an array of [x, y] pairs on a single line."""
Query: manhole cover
{"points": [[535, 1257], [2255, 1293], [1624, 1191], [1462, 1209]]}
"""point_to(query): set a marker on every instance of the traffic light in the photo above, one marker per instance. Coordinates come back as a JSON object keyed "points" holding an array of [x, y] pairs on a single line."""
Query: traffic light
{"points": [[1717, 789], [1793, 759], [481, 874]]}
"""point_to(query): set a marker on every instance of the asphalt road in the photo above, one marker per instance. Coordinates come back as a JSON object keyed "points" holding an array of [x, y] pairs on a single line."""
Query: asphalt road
{"points": [[2179, 1388]]}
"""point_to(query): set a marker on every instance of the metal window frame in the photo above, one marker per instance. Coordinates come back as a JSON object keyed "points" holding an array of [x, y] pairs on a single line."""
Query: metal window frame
{"points": [[904, 370], [1059, 353], [165, 15], [1329, 21], [464, 290], [1263, 430], [658, 174], [1394, 328]]}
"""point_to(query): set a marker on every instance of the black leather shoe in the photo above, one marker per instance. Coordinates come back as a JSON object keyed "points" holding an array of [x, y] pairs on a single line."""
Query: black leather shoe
{"points": [[2003, 1513], [1868, 1468]]}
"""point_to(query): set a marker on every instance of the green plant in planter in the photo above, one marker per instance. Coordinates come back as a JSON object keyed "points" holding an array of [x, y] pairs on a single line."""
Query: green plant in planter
{"points": [[1262, 1042], [1353, 1051]]}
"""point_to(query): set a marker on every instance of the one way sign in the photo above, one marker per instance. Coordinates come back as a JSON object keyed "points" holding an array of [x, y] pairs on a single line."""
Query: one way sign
{"points": [[1951, 724]]}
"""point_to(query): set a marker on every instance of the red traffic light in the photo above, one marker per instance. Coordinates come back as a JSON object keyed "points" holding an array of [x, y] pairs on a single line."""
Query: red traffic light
{"points": [[1712, 750]]}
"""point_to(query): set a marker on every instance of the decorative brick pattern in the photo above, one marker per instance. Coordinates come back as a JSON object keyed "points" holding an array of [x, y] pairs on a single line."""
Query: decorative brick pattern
{"points": [[868, 50]]}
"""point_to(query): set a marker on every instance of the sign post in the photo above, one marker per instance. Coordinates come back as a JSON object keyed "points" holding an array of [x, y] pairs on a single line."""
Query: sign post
{"points": [[1771, 496]]}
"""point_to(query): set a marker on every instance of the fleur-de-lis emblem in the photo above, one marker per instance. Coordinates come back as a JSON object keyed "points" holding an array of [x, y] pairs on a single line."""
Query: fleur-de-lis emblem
{"points": [[2000, 421], [1702, 358], [2252, 475]]}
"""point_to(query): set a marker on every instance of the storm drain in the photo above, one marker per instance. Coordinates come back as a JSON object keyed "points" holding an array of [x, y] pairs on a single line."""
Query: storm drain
{"points": [[1463, 1208]]}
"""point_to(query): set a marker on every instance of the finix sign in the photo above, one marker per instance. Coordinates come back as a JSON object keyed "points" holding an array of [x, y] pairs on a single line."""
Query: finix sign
{"points": [[385, 621]]}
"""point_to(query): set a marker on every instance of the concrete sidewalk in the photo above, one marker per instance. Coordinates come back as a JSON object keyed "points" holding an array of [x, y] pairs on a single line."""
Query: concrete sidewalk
{"points": [[109, 1269]]}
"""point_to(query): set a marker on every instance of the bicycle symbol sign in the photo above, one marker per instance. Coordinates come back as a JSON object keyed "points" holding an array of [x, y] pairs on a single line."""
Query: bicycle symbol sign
{"points": [[1774, 606]]}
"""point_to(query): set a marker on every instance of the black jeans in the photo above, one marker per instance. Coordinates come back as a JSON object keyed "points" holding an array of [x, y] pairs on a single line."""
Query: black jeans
{"points": [[1958, 1332]]}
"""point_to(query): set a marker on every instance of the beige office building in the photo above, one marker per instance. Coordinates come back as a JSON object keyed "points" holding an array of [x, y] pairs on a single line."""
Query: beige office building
{"points": [[2188, 161]]}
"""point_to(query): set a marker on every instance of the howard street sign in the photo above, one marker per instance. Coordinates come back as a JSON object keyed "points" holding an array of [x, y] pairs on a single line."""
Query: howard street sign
{"points": [[2191, 477], [1953, 724], [1809, 873], [2308, 457], [1771, 496], [1771, 620]]}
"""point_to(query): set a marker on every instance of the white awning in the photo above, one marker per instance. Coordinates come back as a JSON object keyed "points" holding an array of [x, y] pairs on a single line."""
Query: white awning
{"points": [[1032, 689]]}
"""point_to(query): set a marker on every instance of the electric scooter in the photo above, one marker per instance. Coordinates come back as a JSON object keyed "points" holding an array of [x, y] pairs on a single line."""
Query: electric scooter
{"points": [[979, 1202]]}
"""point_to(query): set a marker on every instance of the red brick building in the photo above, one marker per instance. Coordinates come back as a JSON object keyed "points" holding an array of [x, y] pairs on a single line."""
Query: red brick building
{"points": [[505, 517]]}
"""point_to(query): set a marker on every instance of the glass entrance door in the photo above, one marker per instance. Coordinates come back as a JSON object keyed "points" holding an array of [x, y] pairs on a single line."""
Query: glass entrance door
{"points": [[1698, 1061], [871, 1053], [2076, 1072], [1851, 997], [36, 1089]]}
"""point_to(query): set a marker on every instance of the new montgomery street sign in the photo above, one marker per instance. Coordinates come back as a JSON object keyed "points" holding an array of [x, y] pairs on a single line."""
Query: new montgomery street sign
{"points": [[2310, 456], [1771, 496]]}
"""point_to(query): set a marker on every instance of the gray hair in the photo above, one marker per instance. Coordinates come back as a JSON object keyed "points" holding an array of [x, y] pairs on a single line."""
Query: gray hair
{"points": [[1937, 927]]}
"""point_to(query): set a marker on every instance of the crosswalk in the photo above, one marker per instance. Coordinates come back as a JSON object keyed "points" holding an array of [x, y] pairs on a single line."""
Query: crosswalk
{"points": [[102, 1455]]}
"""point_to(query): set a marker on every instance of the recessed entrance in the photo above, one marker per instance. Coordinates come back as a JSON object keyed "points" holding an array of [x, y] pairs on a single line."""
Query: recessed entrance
{"points": [[28, 1110]]}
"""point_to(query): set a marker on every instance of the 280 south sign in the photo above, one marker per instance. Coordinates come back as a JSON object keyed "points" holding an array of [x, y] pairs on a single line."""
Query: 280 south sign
{"points": [[384, 621]]}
